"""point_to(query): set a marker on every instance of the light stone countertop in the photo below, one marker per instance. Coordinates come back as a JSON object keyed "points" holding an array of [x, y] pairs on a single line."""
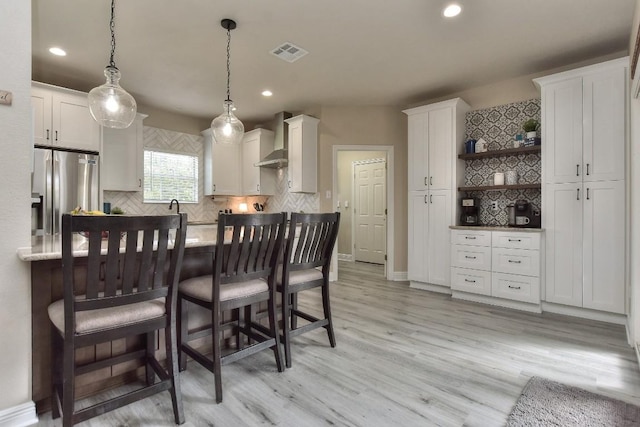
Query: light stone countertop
{"points": [[496, 228], [50, 247]]}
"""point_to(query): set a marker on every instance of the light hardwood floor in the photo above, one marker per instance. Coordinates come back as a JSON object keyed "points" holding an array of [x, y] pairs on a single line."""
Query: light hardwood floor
{"points": [[404, 357]]}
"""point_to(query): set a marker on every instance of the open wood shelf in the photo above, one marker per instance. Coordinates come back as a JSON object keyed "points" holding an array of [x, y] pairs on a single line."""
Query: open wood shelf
{"points": [[502, 187], [499, 153]]}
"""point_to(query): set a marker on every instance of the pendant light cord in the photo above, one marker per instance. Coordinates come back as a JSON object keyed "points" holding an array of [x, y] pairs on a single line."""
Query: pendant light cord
{"points": [[112, 26], [228, 63]]}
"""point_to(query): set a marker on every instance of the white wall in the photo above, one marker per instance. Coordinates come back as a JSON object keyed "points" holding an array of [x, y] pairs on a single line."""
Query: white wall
{"points": [[15, 143]]}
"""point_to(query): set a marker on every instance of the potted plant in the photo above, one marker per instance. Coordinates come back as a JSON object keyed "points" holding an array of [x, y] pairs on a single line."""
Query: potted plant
{"points": [[531, 127]]}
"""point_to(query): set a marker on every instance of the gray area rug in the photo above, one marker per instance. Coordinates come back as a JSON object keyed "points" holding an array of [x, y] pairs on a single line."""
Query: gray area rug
{"points": [[548, 403]]}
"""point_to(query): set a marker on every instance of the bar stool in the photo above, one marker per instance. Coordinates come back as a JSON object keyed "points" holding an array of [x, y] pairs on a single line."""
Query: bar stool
{"points": [[306, 264], [245, 261], [123, 294]]}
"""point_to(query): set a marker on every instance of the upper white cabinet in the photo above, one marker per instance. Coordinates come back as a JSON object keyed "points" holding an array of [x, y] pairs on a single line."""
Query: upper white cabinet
{"points": [[435, 133], [222, 167], [303, 154], [583, 123], [584, 130], [61, 118], [257, 181], [122, 157]]}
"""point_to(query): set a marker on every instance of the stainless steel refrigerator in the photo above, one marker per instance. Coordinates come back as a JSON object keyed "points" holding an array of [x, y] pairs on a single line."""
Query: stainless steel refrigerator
{"points": [[61, 180]]}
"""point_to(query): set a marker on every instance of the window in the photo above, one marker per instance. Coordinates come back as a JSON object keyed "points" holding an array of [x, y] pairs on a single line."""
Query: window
{"points": [[170, 176]]}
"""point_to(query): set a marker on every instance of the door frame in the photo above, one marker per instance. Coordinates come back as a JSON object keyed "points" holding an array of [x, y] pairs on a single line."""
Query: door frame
{"points": [[389, 272], [353, 201]]}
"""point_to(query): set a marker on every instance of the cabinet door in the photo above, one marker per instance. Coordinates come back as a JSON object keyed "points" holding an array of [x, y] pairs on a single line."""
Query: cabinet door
{"points": [[564, 244], [562, 127], [303, 154], [417, 238], [440, 129], [417, 150], [41, 105], [226, 169], [122, 157], [604, 120], [604, 246], [438, 237], [250, 156], [73, 126]]}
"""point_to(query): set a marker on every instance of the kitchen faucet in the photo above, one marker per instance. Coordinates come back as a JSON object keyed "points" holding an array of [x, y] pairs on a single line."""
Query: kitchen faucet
{"points": [[177, 205]]}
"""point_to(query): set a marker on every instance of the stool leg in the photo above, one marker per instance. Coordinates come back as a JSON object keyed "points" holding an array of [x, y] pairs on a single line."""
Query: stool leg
{"points": [[150, 343], [286, 325], [182, 329], [171, 345], [56, 351], [326, 305], [215, 337], [273, 328], [68, 382]]}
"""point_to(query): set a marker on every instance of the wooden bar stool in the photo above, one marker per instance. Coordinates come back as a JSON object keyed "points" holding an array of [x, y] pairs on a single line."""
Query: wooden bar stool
{"points": [[132, 293], [306, 264], [244, 273]]}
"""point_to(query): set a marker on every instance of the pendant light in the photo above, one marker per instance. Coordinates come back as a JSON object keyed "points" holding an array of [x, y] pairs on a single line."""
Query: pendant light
{"points": [[109, 104], [226, 128]]}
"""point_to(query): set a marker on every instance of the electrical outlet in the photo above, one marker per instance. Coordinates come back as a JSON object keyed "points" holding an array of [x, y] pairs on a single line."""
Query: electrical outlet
{"points": [[494, 206]]}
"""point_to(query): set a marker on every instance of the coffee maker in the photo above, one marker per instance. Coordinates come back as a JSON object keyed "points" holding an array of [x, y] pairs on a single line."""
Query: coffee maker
{"points": [[523, 214], [469, 212]]}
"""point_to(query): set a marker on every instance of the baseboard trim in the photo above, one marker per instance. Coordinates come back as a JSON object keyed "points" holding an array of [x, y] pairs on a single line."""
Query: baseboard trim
{"points": [[399, 276], [585, 313], [19, 416], [345, 257], [430, 287], [500, 302]]}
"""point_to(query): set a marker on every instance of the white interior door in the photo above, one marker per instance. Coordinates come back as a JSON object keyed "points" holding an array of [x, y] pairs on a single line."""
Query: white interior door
{"points": [[370, 212]]}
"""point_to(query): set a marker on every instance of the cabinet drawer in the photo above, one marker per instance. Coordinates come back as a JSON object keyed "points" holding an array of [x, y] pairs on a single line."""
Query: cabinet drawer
{"points": [[515, 287], [468, 280], [476, 257], [471, 237], [515, 240], [516, 261]]}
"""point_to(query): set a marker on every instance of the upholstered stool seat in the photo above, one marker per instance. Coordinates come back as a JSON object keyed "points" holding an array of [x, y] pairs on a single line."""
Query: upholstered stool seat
{"points": [[201, 288]]}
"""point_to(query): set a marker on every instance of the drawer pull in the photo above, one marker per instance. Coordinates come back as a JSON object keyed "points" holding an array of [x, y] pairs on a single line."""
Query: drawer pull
{"points": [[470, 281], [469, 257], [470, 237], [515, 240], [514, 287], [515, 261]]}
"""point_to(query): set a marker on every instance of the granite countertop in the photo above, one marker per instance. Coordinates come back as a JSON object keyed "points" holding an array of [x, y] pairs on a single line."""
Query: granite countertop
{"points": [[496, 228], [50, 247]]}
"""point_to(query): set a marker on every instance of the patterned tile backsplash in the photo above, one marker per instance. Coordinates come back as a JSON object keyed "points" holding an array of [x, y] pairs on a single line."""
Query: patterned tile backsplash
{"points": [[206, 210], [498, 126]]}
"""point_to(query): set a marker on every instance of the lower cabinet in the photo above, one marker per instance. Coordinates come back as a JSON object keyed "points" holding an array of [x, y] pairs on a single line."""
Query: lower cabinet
{"points": [[501, 266]]}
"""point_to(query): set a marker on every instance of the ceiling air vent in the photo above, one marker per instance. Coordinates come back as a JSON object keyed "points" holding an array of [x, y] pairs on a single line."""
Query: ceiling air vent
{"points": [[289, 52]]}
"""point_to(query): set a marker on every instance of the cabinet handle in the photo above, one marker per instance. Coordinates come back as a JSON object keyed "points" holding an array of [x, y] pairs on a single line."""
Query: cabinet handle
{"points": [[515, 261], [578, 195], [425, 181], [515, 240], [289, 183], [139, 183], [587, 194], [470, 237], [430, 198], [514, 287], [469, 257], [258, 187], [425, 199], [430, 180], [470, 281], [214, 187], [56, 135], [47, 134], [577, 170], [587, 169]]}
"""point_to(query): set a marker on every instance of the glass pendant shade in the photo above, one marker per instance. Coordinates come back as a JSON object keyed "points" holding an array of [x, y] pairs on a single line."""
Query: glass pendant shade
{"points": [[226, 128], [109, 104]]}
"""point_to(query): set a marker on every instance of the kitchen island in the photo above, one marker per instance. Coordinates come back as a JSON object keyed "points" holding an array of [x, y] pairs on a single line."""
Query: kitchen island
{"points": [[46, 287]]}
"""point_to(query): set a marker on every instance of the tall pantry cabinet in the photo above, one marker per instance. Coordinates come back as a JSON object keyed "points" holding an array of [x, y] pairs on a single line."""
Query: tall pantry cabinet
{"points": [[584, 122], [435, 135]]}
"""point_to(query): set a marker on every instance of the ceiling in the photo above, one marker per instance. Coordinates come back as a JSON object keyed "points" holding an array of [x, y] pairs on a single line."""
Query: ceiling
{"points": [[172, 54]]}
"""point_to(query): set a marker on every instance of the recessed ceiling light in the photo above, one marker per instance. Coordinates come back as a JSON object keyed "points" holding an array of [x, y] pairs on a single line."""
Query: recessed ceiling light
{"points": [[452, 10], [57, 51], [267, 93]]}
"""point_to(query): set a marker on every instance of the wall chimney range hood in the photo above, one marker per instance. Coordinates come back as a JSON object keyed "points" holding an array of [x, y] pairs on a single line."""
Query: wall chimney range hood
{"points": [[278, 158]]}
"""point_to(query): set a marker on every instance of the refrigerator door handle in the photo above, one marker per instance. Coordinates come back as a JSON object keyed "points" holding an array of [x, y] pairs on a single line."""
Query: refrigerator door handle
{"points": [[55, 190]]}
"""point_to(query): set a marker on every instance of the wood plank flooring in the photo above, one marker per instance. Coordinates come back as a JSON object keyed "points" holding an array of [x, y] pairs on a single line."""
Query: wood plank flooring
{"points": [[404, 357]]}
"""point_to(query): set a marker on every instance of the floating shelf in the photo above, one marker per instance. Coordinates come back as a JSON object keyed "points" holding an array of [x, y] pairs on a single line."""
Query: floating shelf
{"points": [[499, 153], [502, 187]]}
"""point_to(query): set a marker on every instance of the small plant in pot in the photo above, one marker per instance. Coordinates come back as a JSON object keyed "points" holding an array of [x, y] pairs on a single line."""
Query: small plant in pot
{"points": [[531, 127]]}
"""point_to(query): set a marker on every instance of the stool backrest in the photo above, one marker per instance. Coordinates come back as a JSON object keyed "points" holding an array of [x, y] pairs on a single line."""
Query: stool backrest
{"points": [[311, 240], [127, 260]]}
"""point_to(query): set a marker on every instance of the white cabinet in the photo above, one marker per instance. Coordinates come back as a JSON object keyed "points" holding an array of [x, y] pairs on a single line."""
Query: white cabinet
{"points": [[257, 181], [435, 132], [583, 123], [584, 135], [585, 260], [303, 154], [61, 118], [122, 157], [222, 167], [501, 267]]}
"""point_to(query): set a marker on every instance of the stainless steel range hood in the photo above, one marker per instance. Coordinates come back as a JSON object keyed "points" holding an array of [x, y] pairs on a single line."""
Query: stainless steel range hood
{"points": [[278, 158]]}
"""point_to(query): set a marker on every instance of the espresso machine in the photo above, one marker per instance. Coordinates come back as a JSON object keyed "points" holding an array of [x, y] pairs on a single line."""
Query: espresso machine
{"points": [[469, 212]]}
